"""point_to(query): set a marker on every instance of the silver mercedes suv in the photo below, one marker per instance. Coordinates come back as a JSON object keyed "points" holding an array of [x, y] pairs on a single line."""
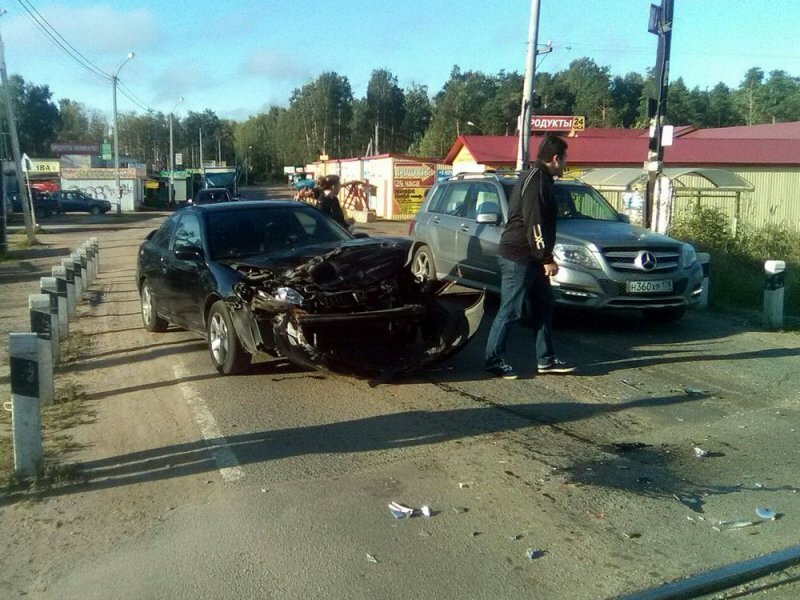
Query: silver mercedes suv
{"points": [[604, 261]]}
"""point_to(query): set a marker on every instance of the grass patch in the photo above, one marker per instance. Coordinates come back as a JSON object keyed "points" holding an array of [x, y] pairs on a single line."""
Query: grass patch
{"points": [[737, 263], [76, 345], [67, 411]]}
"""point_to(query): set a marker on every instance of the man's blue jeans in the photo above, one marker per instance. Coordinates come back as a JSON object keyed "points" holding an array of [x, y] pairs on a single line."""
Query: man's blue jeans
{"points": [[525, 295]]}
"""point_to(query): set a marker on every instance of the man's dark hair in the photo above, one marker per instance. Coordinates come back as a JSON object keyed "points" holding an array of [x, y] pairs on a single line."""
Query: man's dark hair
{"points": [[551, 145]]}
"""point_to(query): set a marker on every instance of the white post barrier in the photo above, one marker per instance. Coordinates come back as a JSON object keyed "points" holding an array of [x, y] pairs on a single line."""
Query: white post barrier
{"points": [[69, 275], [83, 259], [80, 279], [60, 275], [704, 258], [773, 293], [41, 325], [96, 248], [26, 420], [47, 285], [90, 270]]}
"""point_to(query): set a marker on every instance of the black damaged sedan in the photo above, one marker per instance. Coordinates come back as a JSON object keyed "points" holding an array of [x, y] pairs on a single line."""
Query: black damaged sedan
{"points": [[281, 278]]}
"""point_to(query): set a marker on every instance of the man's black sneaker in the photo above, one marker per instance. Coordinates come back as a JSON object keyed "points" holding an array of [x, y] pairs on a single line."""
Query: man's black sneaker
{"points": [[502, 369], [557, 366]]}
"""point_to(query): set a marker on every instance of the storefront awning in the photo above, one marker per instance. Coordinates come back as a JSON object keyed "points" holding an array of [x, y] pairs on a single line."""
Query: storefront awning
{"points": [[625, 179]]}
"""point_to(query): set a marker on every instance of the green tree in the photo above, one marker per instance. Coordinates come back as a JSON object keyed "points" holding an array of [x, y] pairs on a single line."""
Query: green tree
{"points": [[782, 97], [418, 114], [386, 109], [680, 105], [590, 85], [626, 96], [750, 99], [323, 108], [721, 111], [78, 124], [36, 116]]}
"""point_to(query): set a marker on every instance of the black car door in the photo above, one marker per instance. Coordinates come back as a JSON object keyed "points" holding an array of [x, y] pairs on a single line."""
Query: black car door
{"points": [[185, 274], [152, 256]]}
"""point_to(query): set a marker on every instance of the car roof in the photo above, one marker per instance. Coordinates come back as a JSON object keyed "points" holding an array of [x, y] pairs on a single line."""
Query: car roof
{"points": [[248, 204]]}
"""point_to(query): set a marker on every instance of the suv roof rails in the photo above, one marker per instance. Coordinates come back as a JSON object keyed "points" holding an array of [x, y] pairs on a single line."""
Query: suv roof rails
{"points": [[497, 175]]}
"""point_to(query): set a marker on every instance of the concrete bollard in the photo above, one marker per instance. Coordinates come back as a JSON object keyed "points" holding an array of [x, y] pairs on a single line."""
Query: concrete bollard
{"points": [[91, 272], [26, 419], [83, 258], [704, 258], [69, 275], [78, 276], [60, 275], [47, 285], [773, 293], [41, 325], [96, 248]]}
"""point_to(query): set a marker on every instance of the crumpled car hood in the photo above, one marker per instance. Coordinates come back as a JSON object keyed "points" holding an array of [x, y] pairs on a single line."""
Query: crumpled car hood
{"points": [[355, 307]]}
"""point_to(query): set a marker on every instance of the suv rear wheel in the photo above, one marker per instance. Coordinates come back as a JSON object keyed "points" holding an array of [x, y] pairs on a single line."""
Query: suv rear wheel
{"points": [[423, 265]]}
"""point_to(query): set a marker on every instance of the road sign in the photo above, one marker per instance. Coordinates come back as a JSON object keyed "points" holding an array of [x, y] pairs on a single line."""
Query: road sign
{"points": [[557, 123], [179, 158]]}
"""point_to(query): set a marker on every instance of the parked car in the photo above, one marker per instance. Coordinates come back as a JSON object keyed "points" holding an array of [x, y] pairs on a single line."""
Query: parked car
{"points": [[211, 196], [281, 277], [77, 201], [44, 204], [604, 261]]}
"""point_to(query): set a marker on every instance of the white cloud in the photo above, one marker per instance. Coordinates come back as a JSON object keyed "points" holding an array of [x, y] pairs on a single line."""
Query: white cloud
{"points": [[275, 66]]}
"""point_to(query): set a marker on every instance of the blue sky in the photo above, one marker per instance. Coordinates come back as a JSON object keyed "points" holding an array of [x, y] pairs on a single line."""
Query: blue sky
{"points": [[238, 57]]}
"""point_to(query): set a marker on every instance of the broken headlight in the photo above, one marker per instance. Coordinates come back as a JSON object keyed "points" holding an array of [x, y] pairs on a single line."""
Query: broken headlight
{"points": [[287, 294]]}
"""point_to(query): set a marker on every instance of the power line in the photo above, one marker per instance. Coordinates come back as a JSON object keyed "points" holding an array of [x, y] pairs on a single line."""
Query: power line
{"points": [[37, 19], [126, 91]]}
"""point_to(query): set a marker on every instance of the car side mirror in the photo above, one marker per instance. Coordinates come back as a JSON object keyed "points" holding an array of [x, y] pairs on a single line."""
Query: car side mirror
{"points": [[624, 218], [360, 235], [193, 254], [488, 218]]}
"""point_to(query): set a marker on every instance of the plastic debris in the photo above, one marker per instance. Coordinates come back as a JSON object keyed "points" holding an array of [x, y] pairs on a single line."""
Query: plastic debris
{"points": [[426, 511], [399, 511], [464, 484], [371, 558], [723, 525], [701, 452], [533, 554], [692, 391], [766, 514]]}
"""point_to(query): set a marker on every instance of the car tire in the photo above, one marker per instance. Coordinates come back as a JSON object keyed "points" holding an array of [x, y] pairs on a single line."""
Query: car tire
{"points": [[96, 210], [665, 315], [227, 353], [423, 264], [150, 318]]}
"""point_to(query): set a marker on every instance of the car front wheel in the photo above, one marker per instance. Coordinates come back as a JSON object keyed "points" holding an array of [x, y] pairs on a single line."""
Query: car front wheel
{"points": [[96, 210], [150, 318], [227, 353], [423, 265]]}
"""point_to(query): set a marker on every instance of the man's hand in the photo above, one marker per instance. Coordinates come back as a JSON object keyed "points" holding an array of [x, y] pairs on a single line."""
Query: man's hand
{"points": [[551, 269]]}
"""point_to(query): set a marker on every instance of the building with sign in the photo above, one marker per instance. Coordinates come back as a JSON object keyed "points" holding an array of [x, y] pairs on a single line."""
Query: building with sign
{"points": [[396, 183], [752, 173]]}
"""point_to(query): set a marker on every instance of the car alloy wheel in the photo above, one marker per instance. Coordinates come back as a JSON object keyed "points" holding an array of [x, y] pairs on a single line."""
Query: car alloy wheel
{"points": [[227, 353], [423, 265], [150, 318]]}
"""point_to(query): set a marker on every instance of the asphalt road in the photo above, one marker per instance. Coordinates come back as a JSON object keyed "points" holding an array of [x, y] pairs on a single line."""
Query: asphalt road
{"points": [[276, 484]]}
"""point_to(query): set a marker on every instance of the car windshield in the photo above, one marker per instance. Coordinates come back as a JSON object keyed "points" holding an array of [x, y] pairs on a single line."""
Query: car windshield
{"points": [[267, 230], [578, 201]]}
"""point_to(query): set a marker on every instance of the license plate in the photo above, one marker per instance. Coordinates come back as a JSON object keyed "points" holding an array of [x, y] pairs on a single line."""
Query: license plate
{"points": [[649, 287]]}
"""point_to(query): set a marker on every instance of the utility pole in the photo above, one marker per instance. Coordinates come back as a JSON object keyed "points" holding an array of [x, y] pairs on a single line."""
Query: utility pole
{"points": [[12, 129], [114, 80], [172, 155], [527, 93], [660, 24]]}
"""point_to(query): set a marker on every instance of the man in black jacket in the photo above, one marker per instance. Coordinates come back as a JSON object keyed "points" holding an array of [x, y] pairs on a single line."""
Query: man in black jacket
{"points": [[526, 262]]}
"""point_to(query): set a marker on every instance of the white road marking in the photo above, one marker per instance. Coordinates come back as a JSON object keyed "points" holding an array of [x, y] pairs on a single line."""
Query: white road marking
{"points": [[226, 461]]}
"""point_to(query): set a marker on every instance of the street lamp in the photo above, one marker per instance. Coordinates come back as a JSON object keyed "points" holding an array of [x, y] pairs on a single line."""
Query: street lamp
{"points": [[476, 127], [172, 155], [247, 164], [114, 80]]}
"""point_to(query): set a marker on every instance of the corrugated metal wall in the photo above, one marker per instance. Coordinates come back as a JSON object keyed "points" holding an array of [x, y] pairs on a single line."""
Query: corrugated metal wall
{"points": [[775, 201]]}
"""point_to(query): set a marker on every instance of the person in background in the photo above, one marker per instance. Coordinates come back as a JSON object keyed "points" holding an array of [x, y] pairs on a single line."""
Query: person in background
{"points": [[527, 263], [328, 200]]}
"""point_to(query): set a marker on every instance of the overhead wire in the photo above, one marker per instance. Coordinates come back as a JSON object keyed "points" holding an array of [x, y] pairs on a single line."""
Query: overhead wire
{"points": [[38, 20], [65, 46]]}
